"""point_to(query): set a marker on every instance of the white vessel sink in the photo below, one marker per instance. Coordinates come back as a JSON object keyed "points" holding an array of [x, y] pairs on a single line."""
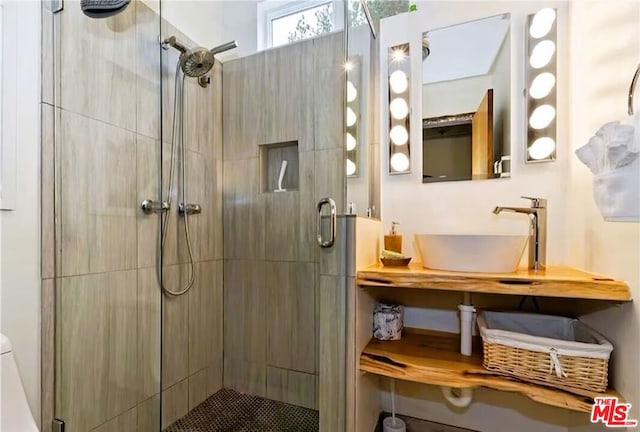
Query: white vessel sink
{"points": [[471, 253]]}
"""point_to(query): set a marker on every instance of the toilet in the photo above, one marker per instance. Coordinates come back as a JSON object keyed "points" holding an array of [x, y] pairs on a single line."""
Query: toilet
{"points": [[15, 415]]}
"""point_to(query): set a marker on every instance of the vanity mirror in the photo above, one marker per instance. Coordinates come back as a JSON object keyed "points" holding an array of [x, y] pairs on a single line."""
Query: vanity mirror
{"points": [[466, 111]]}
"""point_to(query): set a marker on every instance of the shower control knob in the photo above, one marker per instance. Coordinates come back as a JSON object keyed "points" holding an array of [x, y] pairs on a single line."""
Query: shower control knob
{"points": [[189, 209], [148, 206]]}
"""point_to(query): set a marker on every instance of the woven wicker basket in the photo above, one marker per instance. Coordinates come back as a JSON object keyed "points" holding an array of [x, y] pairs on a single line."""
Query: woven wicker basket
{"points": [[552, 351]]}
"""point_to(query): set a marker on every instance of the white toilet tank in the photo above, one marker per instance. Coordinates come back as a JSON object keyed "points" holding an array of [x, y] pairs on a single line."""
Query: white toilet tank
{"points": [[15, 415]]}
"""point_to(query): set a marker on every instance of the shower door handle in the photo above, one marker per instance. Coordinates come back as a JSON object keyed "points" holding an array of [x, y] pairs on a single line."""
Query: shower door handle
{"points": [[148, 206], [332, 228]]}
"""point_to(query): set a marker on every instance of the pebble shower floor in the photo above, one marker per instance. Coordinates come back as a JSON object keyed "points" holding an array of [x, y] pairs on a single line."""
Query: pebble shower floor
{"points": [[230, 411]]}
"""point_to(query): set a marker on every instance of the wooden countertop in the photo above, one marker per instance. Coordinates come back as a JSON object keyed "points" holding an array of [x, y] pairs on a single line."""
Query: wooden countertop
{"points": [[554, 281], [430, 357]]}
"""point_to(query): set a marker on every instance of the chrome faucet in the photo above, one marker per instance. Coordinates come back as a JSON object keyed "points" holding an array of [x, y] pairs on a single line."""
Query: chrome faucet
{"points": [[538, 232]]}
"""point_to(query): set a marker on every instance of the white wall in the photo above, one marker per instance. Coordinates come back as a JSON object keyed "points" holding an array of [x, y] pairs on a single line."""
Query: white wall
{"points": [[212, 23], [605, 50], [20, 228]]}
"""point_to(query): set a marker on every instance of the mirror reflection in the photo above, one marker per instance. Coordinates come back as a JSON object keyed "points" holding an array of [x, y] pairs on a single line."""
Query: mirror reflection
{"points": [[466, 101]]}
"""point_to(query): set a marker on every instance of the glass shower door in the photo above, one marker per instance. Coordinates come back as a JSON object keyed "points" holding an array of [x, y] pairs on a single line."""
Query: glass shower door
{"points": [[103, 113]]}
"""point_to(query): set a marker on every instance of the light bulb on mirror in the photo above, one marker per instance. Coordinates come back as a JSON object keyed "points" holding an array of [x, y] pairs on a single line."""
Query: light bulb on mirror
{"points": [[542, 85], [399, 135], [542, 116], [398, 54], [399, 162], [352, 92], [399, 108], [542, 148], [542, 53], [398, 81], [351, 117], [351, 167], [542, 22], [351, 142]]}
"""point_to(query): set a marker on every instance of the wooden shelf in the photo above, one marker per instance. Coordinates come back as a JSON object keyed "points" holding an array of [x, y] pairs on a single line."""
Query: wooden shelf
{"points": [[430, 357], [555, 281]]}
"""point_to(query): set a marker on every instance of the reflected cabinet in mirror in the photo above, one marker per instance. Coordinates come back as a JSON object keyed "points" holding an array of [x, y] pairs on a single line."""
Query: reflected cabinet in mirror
{"points": [[466, 111]]}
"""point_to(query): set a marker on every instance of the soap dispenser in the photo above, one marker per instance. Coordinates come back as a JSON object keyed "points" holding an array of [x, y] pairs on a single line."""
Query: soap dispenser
{"points": [[393, 241]]}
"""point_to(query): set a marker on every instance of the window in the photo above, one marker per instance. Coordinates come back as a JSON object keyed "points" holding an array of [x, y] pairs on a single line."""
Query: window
{"points": [[280, 23]]}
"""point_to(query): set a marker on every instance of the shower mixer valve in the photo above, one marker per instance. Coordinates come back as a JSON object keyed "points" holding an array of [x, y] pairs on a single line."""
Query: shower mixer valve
{"points": [[189, 209]]}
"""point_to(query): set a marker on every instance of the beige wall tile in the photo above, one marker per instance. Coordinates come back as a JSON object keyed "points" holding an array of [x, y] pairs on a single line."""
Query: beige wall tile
{"points": [[149, 327], [97, 380], [175, 403], [332, 358], [175, 326], [47, 354], [288, 95], [203, 384], [290, 218], [148, 178], [330, 180], [290, 317], [292, 387], [328, 92], [149, 415], [98, 196], [47, 181], [104, 88], [147, 64], [210, 233], [124, 422], [245, 291], [244, 215], [205, 317], [244, 376], [243, 106]]}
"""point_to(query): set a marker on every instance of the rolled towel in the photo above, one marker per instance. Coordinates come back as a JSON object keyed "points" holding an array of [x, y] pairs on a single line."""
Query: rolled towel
{"points": [[103, 8]]}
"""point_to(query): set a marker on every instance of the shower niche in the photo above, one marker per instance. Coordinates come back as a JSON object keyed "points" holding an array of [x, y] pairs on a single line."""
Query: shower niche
{"points": [[279, 164]]}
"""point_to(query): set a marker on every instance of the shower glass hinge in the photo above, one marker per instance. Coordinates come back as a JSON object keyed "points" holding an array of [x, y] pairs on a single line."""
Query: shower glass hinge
{"points": [[57, 425]]}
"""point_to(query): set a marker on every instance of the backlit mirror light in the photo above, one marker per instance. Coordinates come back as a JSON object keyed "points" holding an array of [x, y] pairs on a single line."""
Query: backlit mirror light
{"points": [[353, 114], [542, 54], [541, 81], [399, 162], [351, 117], [399, 105], [542, 22], [542, 85], [352, 92], [398, 81], [399, 108], [351, 142], [542, 117], [542, 148], [399, 135], [351, 167]]}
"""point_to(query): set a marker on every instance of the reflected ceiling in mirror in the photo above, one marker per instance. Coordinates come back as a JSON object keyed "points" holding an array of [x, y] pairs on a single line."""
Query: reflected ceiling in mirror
{"points": [[466, 101]]}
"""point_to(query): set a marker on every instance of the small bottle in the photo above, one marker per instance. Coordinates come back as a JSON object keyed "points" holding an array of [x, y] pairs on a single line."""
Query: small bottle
{"points": [[393, 241]]}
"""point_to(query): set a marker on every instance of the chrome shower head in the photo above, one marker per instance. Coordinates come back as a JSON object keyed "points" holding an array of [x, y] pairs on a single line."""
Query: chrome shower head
{"points": [[196, 62]]}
